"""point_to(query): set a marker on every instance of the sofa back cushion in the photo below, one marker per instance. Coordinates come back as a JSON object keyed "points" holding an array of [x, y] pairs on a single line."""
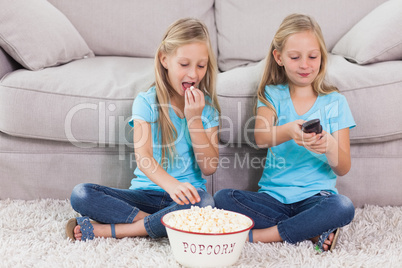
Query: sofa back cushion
{"points": [[37, 35], [373, 39], [132, 28], [246, 28]]}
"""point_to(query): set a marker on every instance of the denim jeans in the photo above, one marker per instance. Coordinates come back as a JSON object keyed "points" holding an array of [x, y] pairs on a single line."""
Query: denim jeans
{"points": [[296, 222], [110, 205]]}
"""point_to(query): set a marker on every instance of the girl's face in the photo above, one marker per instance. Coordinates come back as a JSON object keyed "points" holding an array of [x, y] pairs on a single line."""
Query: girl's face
{"points": [[187, 67], [301, 58]]}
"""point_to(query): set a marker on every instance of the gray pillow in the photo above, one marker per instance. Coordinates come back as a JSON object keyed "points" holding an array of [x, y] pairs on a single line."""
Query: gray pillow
{"points": [[37, 35], [375, 38]]}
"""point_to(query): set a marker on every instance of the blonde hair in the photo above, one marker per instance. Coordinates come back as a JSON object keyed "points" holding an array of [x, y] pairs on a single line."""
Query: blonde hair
{"points": [[182, 32], [275, 74]]}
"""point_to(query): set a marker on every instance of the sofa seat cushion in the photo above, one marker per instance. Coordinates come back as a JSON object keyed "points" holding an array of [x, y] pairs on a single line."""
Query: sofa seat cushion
{"points": [[373, 93], [368, 90], [88, 100]]}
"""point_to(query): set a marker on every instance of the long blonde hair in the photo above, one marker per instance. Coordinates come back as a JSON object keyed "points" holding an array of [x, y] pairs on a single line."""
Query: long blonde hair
{"points": [[182, 32], [275, 74]]}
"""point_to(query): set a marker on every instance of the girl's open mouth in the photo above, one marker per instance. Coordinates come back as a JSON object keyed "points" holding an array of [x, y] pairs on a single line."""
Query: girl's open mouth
{"points": [[187, 85]]}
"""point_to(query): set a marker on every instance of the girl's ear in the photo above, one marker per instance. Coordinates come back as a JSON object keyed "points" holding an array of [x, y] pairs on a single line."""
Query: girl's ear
{"points": [[277, 57], [162, 59]]}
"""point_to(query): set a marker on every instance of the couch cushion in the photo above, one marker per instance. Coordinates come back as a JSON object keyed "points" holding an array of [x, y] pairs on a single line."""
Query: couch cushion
{"points": [[370, 91], [374, 38], [37, 35], [237, 96], [7, 64], [246, 28], [374, 177], [33, 168], [132, 28], [88, 100]]}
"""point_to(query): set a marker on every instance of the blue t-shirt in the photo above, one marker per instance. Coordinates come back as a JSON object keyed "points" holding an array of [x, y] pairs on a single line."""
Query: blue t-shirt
{"points": [[184, 167], [292, 173]]}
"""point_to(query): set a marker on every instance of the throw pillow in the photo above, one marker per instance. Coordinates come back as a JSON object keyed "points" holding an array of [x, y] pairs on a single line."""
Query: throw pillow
{"points": [[375, 38], [37, 35]]}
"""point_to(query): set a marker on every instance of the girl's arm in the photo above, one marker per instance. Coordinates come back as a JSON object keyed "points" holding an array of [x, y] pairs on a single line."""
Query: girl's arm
{"points": [[337, 149], [267, 135], [335, 146], [180, 192], [205, 145], [204, 141]]}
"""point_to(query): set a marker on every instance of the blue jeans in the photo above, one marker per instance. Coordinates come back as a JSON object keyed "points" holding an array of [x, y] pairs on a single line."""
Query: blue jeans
{"points": [[296, 222], [110, 205]]}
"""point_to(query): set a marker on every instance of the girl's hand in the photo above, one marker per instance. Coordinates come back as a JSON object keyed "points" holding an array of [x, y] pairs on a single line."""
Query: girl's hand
{"points": [[324, 144], [184, 193], [194, 103], [317, 143], [301, 138]]}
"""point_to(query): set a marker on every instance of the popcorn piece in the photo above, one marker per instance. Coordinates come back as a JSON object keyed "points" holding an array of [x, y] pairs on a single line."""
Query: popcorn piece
{"points": [[208, 220], [191, 88]]}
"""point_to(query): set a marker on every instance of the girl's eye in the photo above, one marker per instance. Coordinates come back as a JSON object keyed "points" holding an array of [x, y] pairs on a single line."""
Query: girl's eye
{"points": [[183, 65], [294, 58], [313, 58], [201, 66]]}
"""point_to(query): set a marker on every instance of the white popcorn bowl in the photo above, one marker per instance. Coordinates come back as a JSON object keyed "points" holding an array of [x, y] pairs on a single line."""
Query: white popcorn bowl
{"points": [[193, 249]]}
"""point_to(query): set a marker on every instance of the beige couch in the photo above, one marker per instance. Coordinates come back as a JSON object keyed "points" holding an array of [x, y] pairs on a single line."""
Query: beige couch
{"points": [[71, 69]]}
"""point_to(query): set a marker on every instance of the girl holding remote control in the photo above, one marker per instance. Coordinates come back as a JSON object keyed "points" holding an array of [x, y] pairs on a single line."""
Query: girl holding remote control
{"points": [[175, 126], [297, 199]]}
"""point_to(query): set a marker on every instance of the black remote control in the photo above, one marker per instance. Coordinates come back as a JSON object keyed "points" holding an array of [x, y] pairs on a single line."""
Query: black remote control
{"points": [[312, 126]]}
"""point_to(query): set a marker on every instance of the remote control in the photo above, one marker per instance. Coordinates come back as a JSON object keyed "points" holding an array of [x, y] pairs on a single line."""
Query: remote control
{"points": [[312, 126]]}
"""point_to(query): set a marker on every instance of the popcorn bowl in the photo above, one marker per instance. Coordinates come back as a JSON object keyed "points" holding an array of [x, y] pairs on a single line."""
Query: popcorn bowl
{"points": [[200, 249]]}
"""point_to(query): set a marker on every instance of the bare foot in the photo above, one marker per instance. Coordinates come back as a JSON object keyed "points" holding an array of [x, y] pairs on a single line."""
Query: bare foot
{"points": [[140, 215], [327, 243], [77, 233], [266, 235]]}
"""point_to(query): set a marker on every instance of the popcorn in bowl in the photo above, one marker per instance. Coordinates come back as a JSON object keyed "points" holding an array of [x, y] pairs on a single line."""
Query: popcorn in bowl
{"points": [[208, 220], [206, 237]]}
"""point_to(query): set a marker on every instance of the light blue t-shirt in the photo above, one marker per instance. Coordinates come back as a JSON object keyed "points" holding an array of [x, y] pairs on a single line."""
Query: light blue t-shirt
{"points": [[292, 173], [184, 167]]}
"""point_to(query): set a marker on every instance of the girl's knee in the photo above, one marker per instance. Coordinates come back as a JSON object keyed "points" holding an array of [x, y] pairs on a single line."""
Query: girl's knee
{"points": [[348, 206], [78, 195], [222, 195], [345, 207], [225, 198], [206, 199]]}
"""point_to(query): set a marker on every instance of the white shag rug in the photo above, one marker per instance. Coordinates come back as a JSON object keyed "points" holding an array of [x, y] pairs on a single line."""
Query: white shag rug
{"points": [[32, 235]]}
